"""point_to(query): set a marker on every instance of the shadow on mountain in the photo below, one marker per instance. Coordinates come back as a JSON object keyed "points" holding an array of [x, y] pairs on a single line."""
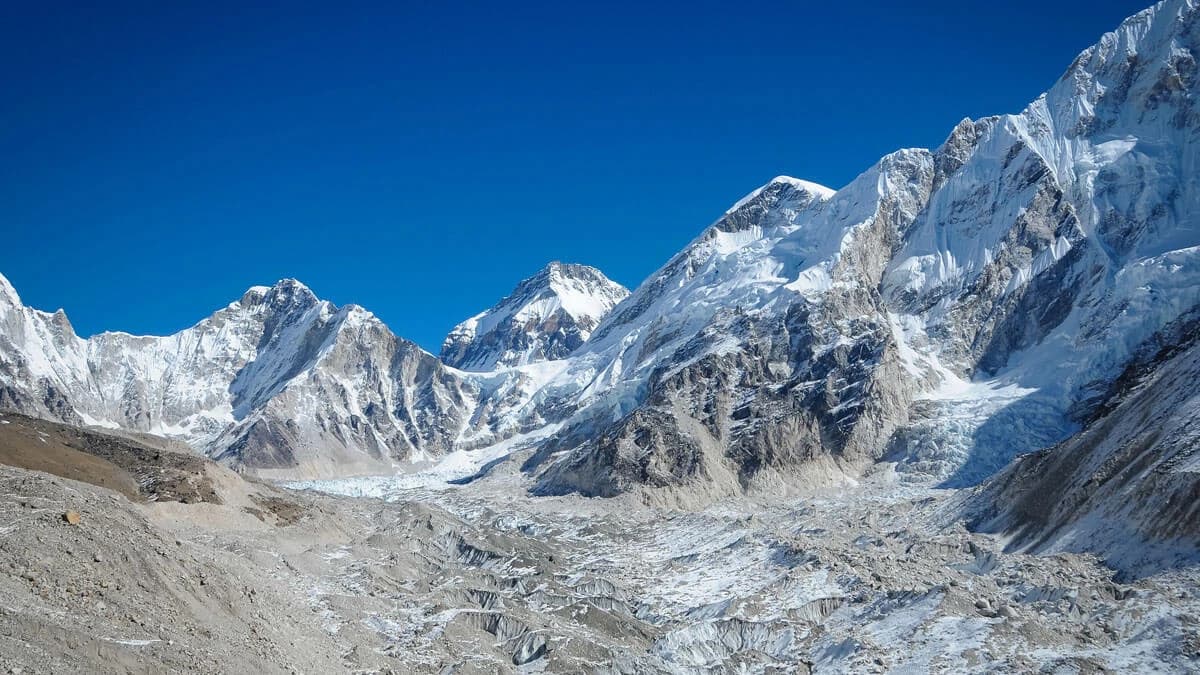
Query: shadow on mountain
{"points": [[1023, 426]]}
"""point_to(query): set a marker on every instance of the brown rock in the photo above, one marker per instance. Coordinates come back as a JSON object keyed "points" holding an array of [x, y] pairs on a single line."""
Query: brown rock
{"points": [[72, 517]]}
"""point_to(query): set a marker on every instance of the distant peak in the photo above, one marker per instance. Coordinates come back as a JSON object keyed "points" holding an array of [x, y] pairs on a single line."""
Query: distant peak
{"points": [[289, 284], [573, 270], [283, 291], [816, 191], [806, 185], [545, 317], [558, 277]]}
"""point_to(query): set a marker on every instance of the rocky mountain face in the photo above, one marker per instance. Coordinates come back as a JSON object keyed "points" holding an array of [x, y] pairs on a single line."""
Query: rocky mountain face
{"points": [[283, 384], [277, 382], [545, 318], [945, 312]]}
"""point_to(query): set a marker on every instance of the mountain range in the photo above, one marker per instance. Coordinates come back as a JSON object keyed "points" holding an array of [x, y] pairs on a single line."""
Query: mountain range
{"points": [[1016, 308]]}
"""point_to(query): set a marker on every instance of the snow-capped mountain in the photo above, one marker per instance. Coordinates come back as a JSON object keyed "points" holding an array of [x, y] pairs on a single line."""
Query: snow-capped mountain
{"points": [[545, 318], [278, 382], [281, 383], [946, 311]]}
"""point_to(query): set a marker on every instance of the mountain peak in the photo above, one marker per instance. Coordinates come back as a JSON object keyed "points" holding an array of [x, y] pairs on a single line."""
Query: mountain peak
{"points": [[290, 285], [562, 276], [808, 186], [546, 317], [284, 293], [815, 191]]}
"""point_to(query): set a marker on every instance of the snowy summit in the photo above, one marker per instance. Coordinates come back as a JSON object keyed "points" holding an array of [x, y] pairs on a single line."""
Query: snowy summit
{"points": [[545, 318]]}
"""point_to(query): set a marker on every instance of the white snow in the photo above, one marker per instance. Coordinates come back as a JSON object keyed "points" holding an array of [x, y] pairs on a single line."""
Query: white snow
{"points": [[435, 475], [581, 293]]}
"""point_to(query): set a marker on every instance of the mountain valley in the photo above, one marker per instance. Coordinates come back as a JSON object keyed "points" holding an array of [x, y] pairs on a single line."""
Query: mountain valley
{"points": [[941, 419]]}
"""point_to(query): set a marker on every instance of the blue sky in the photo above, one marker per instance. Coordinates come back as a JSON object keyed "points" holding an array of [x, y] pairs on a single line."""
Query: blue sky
{"points": [[156, 159]]}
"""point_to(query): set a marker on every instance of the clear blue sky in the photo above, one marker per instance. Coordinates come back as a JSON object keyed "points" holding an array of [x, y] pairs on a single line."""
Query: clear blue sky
{"points": [[158, 159]]}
